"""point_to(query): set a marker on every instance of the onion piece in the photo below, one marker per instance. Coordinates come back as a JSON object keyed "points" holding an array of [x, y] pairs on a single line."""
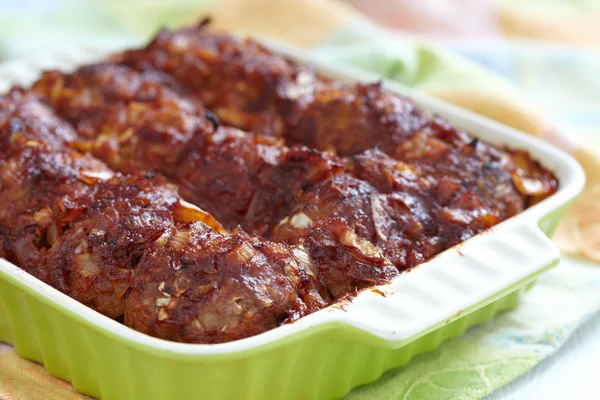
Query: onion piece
{"points": [[366, 248], [301, 220], [91, 177], [120, 288], [43, 217], [530, 186], [86, 264], [178, 240], [187, 212], [243, 253], [52, 233], [304, 260]]}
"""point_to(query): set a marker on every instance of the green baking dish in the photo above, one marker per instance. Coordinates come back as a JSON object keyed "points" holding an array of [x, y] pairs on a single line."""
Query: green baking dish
{"points": [[320, 356]]}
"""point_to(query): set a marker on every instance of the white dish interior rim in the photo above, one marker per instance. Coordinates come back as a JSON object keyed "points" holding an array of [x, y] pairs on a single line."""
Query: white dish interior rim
{"points": [[569, 173]]}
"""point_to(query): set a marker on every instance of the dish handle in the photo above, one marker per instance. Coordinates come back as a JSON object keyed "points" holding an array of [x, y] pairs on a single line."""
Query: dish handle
{"points": [[459, 281]]}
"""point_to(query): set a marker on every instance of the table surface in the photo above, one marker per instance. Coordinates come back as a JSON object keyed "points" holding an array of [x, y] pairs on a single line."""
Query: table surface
{"points": [[570, 373]]}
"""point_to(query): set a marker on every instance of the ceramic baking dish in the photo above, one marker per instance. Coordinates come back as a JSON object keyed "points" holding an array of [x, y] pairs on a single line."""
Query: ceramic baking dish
{"points": [[322, 355]]}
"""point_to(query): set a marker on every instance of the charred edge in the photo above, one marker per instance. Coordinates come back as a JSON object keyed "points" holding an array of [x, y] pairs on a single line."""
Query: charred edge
{"points": [[204, 22], [135, 260], [212, 117], [473, 143]]}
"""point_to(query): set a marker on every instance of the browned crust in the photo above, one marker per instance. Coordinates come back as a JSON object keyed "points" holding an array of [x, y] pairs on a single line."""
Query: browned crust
{"points": [[338, 187]]}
